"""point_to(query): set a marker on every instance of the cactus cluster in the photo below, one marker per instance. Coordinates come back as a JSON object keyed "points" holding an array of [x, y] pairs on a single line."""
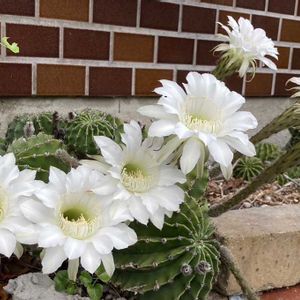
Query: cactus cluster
{"points": [[267, 152], [81, 130], [292, 173], [38, 153], [3, 146], [248, 168], [180, 261]]}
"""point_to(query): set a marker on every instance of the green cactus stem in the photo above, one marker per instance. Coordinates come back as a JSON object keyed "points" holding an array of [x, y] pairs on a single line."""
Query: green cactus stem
{"points": [[267, 151], [287, 160], [44, 123], [39, 153], [3, 146], [16, 127], [289, 118], [248, 167], [181, 261], [80, 131]]}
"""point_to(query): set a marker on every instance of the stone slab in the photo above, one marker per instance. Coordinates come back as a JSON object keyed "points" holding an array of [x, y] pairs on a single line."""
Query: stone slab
{"points": [[265, 243], [36, 286]]}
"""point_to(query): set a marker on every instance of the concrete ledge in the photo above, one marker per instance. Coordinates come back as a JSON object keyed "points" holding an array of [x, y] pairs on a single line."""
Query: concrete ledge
{"points": [[265, 243]]}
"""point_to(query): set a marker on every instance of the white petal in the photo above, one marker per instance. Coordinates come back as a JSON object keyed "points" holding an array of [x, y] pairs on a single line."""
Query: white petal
{"points": [[110, 150], [138, 210], [102, 243], [246, 149], [107, 186], [36, 212], [158, 219], [155, 111], [162, 128], [19, 250], [53, 259], [190, 155], [226, 171], [7, 242], [220, 152], [170, 197], [108, 263], [91, 259], [58, 178], [122, 236], [74, 248], [50, 236], [95, 165], [132, 137], [240, 121], [169, 175], [49, 196], [182, 131]]}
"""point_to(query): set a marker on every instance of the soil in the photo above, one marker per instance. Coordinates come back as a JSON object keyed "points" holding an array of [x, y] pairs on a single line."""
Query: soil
{"points": [[268, 195]]}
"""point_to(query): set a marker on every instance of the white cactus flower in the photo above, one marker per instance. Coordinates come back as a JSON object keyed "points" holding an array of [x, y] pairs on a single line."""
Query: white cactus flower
{"points": [[245, 45], [295, 80], [73, 222], [137, 179], [206, 112], [15, 187]]}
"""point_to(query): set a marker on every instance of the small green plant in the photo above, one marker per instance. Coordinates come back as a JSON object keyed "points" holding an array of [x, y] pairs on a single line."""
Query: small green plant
{"points": [[248, 167], [180, 261], [81, 130], [292, 173]]}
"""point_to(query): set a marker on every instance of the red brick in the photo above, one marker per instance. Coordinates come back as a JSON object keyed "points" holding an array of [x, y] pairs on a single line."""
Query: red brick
{"points": [[115, 12], [146, 80], [260, 85], [296, 58], [60, 80], [205, 54], [280, 84], [283, 58], [110, 81], [159, 15], [133, 47], [175, 50], [290, 31], [37, 41], [15, 79], [234, 83], [222, 2], [198, 19], [292, 293], [77, 10], [282, 6], [257, 4], [86, 44], [17, 7], [269, 24]]}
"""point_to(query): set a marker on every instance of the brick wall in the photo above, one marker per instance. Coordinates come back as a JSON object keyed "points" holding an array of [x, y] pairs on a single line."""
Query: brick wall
{"points": [[123, 47]]}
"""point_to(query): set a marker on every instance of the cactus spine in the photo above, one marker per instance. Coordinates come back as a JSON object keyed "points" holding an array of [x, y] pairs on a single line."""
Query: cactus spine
{"points": [[81, 130], [39, 153], [180, 261]]}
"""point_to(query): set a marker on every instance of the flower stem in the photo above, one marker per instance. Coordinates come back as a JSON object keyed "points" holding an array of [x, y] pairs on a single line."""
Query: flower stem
{"points": [[73, 266]]}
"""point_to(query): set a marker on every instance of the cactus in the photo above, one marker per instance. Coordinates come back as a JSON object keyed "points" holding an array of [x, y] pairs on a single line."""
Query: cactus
{"points": [[39, 153], [267, 151], [248, 167], [293, 173], [16, 127], [81, 130], [181, 261], [44, 123], [3, 146]]}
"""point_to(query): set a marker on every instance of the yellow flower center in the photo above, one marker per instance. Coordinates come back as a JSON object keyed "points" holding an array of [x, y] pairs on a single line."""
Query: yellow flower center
{"points": [[136, 180], [76, 219]]}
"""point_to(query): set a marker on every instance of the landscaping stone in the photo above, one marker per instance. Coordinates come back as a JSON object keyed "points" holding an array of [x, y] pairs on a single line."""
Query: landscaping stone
{"points": [[265, 244], [36, 286]]}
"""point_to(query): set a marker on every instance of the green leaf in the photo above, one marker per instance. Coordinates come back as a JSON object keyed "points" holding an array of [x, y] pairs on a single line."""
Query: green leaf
{"points": [[102, 275], [95, 292], [12, 47], [85, 278], [71, 288], [61, 281]]}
